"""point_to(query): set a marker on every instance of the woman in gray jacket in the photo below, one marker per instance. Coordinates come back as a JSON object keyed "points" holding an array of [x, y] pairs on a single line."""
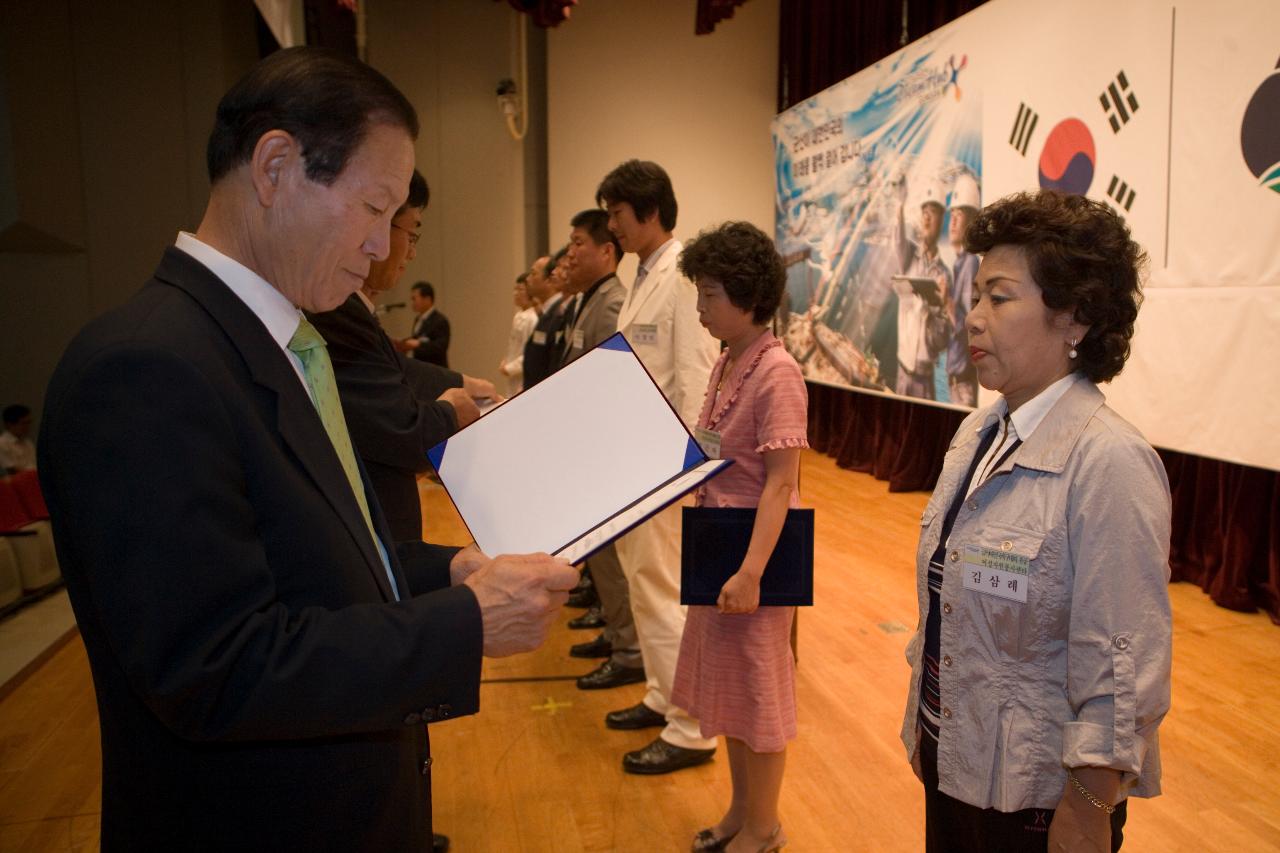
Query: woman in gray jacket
{"points": [[1040, 667]]}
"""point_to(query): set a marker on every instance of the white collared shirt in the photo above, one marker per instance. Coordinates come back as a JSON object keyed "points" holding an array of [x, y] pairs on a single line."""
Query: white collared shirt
{"points": [[278, 314], [16, 453], [368, 303], [1022, 423], [269, 305], [647, 265]]}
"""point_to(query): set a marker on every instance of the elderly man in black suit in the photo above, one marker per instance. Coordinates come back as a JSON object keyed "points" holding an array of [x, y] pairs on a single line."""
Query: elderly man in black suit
{"points": [[264, 658]]}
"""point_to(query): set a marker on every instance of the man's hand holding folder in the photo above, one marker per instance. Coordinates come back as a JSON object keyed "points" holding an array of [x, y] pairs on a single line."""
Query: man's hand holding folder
{"points": [[519, 596]]}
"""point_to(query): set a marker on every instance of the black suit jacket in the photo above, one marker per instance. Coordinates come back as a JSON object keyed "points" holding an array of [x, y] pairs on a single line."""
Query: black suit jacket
{"points": [[433, 332], [544, 350], [256, 688], [391, 427]]}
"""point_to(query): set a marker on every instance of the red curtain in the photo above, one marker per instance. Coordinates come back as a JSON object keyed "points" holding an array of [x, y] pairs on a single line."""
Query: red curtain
{"points": [[1226, 517], [888, 438], [821, 42], [1226, 531], [712, 12]]}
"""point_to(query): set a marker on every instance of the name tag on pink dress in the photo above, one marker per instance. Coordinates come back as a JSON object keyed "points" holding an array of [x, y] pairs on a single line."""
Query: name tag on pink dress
{"points": [[709, 441]]}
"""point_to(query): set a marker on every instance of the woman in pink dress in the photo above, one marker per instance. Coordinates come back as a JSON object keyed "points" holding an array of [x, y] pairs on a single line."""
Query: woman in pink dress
{"points": [[735, 673]]}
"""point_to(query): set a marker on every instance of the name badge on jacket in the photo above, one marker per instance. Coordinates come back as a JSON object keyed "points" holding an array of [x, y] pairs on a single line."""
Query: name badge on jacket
{"points": [[643, 334], [995, 572], [540, 338]]}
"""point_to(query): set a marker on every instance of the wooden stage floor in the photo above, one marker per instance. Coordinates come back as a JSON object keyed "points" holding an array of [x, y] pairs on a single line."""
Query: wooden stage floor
{"points": [[537, 771]]}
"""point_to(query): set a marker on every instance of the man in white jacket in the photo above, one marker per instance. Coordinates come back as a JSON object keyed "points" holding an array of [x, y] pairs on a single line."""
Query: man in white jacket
{"points": [[660, 321]]}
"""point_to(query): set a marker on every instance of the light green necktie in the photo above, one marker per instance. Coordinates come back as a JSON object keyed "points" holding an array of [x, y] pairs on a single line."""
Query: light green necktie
{"points": [[318, 370]]}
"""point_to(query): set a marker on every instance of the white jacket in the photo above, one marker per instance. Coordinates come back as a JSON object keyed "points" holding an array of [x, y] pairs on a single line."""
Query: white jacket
{"points": [[660, 321]]}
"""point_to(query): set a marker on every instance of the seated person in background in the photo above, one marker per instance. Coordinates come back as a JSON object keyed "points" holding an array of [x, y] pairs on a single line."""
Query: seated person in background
{"points": [[17, 452], [512, 364], [391, 428], [429, 340], [1041, 662], [735, 673]]}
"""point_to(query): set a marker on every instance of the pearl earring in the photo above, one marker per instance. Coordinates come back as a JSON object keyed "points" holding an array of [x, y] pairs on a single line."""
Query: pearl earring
{"points": [[1073, 353]]}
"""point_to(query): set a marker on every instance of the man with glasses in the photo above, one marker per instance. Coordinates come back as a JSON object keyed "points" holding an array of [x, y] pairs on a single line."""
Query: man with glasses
{"points": [[392, 424]]}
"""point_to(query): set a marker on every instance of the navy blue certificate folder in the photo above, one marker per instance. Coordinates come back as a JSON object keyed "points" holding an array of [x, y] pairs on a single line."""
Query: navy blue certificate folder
{"points": [[716, 540]]}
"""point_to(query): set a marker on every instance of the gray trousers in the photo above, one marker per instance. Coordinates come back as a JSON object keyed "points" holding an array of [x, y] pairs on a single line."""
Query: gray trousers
{"points": [[615, 604]]}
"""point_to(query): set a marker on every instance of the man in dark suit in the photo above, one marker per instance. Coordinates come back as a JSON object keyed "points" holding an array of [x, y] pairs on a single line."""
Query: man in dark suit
{"points": [[592, 279], [264, 660], [391, 427], [429, 340], [544, 349]]}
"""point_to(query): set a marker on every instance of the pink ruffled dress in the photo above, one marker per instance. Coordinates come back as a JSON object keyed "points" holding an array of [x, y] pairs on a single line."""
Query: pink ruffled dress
{"points": [[735, 674]]}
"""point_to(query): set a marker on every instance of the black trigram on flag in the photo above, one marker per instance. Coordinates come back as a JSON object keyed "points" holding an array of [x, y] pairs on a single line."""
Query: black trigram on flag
{"points": [[1023, 126], [1121, 193], [1118, 102]]}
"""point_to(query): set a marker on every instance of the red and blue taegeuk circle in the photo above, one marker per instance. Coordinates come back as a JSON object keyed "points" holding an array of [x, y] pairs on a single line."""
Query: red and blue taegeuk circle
{"points": [[1067, 161]]}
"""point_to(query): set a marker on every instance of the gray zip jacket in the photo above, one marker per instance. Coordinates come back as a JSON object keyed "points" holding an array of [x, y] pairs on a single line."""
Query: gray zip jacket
{"points": [[1079, 674]]}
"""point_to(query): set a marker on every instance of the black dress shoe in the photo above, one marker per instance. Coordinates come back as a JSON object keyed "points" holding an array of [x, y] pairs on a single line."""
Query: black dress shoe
{"points": [[610, 674], [585, 598], [638, 716], [585, 582], [439, 843], [597, 648], [593, 618], [662, 757]]}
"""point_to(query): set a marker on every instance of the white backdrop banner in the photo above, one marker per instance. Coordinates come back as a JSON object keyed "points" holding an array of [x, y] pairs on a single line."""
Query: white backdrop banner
{"points": [[1169, 112]]}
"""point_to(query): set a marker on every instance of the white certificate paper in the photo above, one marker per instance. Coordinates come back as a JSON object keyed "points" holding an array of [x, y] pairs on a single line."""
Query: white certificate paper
{"points": [[569, 465]]}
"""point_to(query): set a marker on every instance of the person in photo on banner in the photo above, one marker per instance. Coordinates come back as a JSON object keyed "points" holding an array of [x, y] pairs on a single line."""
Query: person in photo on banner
{"points": [[962, 377], [1041, 662], [736, 673], [923, 325]]}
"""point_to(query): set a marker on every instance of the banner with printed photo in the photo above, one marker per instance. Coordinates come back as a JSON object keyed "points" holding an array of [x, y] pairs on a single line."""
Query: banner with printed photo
{"points": [[1168, 113], [874, 177]]}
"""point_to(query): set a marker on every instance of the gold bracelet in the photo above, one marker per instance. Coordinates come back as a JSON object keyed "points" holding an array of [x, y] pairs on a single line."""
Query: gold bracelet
{"points": [[1089, 795]]}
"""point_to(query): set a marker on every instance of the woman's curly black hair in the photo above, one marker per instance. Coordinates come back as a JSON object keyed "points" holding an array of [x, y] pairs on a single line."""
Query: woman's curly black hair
{"points": [[1084, 260], [742, 258]]}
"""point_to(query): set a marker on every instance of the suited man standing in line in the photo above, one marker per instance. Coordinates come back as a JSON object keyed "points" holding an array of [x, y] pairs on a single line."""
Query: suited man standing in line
{"points": [[542, 352], [660, 321], [592, 281], [429, 340], [264, 659], [591, 270], [392, 428]]}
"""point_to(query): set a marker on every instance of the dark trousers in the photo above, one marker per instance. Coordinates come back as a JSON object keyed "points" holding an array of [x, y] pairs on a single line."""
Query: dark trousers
{"points": [[955, 827]]}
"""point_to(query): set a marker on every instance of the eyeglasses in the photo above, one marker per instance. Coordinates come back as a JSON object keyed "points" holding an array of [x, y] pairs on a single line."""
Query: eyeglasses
{"points": [[414, 236]]}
